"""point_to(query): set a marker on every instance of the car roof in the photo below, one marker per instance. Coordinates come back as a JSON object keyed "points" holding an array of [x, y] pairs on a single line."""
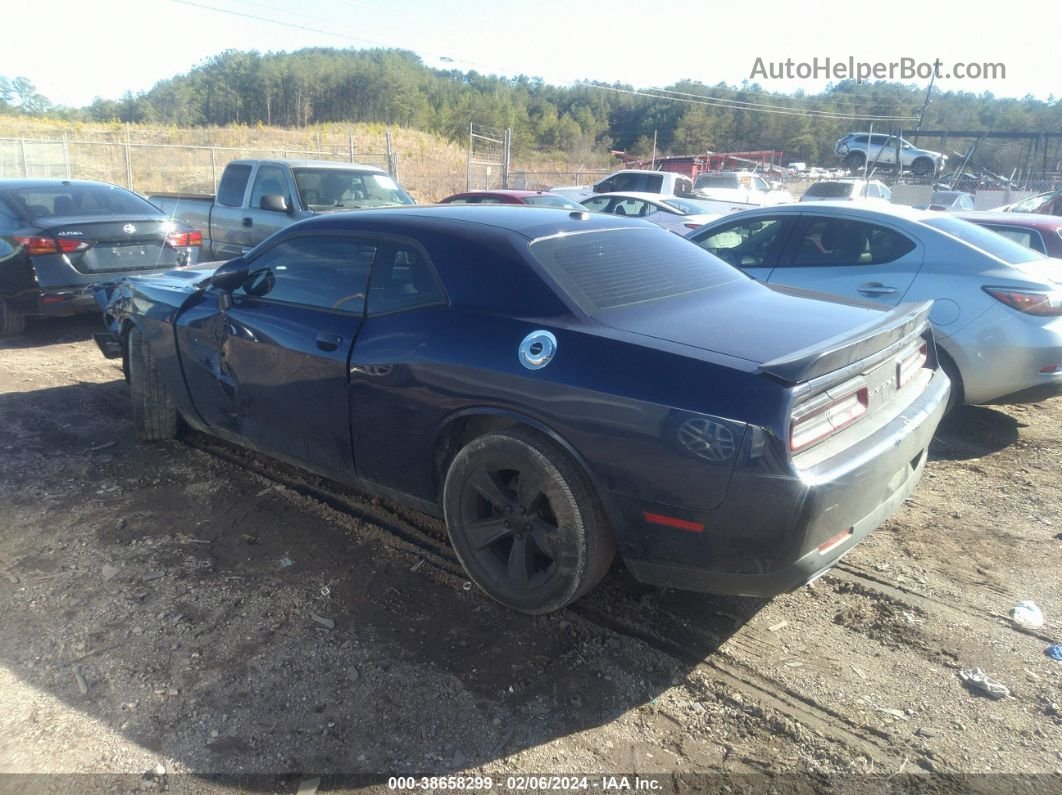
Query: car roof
{"points": [[310, 164], [55, 183], [532, 223], [518, 194], [1038, 220], [867, 211], [635, 194]]}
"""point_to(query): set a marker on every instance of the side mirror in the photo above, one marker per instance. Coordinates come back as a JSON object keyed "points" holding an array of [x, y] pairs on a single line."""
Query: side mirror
{"points": [[603, 187], [230, 275], [273, 202]]}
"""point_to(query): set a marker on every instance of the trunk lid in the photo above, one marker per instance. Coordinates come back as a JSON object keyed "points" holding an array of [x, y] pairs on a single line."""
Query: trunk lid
{"points": [[118, 244], [792, 334]]}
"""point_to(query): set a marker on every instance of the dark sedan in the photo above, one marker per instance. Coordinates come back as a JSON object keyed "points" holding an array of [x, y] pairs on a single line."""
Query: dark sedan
{"points": [[555, 385], [59, 237]]}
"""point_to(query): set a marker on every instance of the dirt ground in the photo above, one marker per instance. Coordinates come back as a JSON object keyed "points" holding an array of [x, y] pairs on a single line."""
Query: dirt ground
{"points": [[185, 617]]}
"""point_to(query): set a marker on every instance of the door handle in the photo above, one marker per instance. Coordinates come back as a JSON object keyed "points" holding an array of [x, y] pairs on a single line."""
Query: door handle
{"points": [[329, 342], [876, 288], [248, 222]]}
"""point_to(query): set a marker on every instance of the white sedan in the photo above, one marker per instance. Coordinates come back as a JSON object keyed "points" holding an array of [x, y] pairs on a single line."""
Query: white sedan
{"points": [[671, 212]]}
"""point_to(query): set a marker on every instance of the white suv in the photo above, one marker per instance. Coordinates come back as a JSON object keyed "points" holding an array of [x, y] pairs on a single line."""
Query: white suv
{"points": [[858, 149], [852, 190]]}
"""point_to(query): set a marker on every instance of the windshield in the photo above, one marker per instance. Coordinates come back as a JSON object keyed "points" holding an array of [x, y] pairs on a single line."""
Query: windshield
{"points": [[336, 188], [690, 206], [547, 200], [78, 200], [985, 239], [625, 267]]}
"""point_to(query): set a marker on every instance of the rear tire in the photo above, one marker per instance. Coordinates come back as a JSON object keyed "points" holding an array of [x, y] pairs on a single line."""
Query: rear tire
{"points": [[855, 161], [154, 412], [11, 323], [923, 167], [525, 522], [947, 364]]}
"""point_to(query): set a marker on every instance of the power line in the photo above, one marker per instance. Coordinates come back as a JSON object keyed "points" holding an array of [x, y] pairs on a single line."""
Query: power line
{"points": [[811, 111]]}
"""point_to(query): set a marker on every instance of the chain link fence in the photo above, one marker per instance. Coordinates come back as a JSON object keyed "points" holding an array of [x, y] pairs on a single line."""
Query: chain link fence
{"points": [[151, 168]]}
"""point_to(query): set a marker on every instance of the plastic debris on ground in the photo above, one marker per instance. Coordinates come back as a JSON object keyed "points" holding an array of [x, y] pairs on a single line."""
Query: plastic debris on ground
{"points": [[1054, 651], [1027, 615], [978, 680]]}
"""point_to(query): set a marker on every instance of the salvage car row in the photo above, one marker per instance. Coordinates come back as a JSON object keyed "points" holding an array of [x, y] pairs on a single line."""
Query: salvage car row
{"points": [[561, 385]]}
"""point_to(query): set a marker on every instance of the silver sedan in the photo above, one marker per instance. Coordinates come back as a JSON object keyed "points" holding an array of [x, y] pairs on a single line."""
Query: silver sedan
{"points": [[998, 305]]}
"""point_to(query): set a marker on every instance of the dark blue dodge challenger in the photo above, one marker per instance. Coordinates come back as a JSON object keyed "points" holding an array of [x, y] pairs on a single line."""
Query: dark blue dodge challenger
{"points": [[556, 385]]}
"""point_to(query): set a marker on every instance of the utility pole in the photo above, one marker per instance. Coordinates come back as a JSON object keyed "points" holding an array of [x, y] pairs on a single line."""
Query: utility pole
{"points": [[925, 104], [653, 166]]}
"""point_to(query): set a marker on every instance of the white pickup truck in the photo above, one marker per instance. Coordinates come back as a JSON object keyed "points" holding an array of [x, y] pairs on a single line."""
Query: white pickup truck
{"points": [[740, 188], [631, 180]]}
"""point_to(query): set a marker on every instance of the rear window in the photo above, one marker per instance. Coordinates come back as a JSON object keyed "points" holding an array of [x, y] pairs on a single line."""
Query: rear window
{"points": [[233, 184], [986, 240], [625, 267], [79, 200], [829, 190], [546, 200], [717, 181]]}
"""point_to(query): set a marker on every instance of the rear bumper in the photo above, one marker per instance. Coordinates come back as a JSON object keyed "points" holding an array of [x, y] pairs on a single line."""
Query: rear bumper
{"points": [[778, 530], [65, 302], [803, 570]]}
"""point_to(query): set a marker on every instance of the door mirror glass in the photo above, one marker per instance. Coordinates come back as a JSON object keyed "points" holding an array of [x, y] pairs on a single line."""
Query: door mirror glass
{"points": [[274, 202]]}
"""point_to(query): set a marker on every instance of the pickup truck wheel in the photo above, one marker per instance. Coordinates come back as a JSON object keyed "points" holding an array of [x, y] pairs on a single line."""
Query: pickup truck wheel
{"points": [[11, 322], [154, 412], [525, 522]]}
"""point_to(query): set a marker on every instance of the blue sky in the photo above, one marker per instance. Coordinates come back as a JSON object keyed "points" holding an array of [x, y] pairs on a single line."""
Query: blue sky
{"points": [[80, 50]]}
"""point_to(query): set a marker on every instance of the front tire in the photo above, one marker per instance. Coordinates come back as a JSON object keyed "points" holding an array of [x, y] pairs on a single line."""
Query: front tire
{"points": [[11, 323], [855, 161], [154, 412], [525, 521]]}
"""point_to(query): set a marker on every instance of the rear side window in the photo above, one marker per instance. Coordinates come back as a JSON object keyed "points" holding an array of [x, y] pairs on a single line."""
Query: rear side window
{"points": [[985, 239], [834, 241], [233, 185], [625, 267], [320, 272], [402, 278]]}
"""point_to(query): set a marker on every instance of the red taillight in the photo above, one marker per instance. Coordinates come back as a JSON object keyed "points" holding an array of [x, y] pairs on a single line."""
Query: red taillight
{"points": [[36, 246], [1030, 303], [826, 415], [692, 226], [184, 239]]}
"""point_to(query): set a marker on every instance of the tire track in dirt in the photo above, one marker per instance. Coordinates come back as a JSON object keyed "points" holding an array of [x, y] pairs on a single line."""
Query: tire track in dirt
{"points": [[630, 619]]}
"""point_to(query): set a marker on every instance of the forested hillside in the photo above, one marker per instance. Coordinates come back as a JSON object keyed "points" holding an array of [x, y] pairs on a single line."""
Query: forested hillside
{"points": [[393, 87]]}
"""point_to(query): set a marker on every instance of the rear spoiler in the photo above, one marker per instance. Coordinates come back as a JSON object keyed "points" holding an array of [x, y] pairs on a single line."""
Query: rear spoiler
{"points": [[860, 343]]}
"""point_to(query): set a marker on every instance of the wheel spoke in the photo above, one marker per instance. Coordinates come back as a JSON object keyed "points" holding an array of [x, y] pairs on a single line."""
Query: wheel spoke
{"points": [[485, 532], [520, 561], [529, 492], [490, 487], [542, 533]]}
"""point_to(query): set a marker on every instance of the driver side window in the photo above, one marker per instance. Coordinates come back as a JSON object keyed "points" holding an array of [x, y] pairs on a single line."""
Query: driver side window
{"points": [[748, 244], [320, 272]]}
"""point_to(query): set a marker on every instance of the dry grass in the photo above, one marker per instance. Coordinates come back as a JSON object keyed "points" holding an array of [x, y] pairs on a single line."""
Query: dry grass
{"points": [[150, 158]]}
